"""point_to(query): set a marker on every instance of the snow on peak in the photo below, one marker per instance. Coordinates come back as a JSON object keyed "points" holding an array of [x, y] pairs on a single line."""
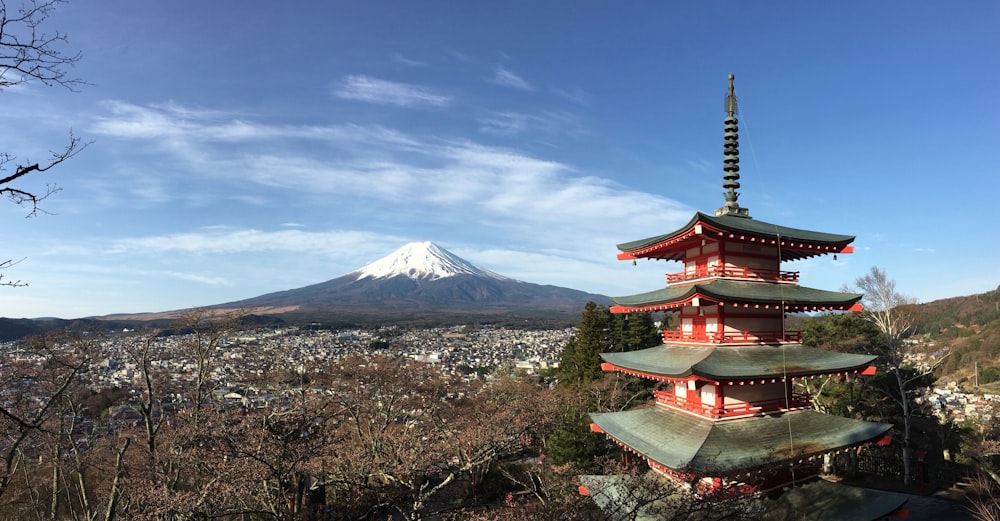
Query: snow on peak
{"points": [[422, 261]]}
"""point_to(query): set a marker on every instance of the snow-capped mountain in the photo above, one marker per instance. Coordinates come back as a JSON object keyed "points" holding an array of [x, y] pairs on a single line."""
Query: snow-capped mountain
{"points": [[422, 261], [422, 281]]}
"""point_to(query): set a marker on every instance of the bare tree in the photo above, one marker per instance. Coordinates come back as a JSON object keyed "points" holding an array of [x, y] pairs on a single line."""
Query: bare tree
{"points": [[148, 356], [176, 370], [29, 53], [984, 497], [36, 378], [629, 494], [893, 313]]}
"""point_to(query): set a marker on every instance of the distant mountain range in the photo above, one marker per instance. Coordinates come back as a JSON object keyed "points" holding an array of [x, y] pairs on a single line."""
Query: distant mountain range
{"points": [[424, 284], [420, 283]]}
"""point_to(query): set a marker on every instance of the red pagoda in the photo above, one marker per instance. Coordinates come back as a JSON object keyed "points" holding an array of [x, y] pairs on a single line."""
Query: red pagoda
{"points": [[725, 406]]}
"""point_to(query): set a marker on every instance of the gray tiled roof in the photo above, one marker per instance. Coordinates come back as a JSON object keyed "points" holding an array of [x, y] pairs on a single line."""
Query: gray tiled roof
{"points": [[737, 362], [682, 442], [815, 499], [744, 225], [738, 291]]}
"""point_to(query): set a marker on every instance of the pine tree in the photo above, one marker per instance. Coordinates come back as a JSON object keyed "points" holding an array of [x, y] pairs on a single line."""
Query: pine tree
{"points": [[581, 359], [642, 332]]}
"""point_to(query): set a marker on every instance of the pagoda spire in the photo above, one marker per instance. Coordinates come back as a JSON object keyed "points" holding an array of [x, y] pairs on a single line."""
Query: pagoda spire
{"points": [[731, 158]]}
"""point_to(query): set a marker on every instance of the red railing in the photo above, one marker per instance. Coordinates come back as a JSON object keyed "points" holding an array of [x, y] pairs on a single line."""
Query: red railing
{"points": [[702, 272], [796, 401], [733, 337]]}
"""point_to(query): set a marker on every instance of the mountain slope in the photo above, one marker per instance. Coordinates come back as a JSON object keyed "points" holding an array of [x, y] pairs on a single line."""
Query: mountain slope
{"points": [[969, 328], [420, 279]]}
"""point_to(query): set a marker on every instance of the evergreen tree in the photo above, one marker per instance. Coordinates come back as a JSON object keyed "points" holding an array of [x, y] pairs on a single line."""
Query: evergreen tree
{"points": [[633, 331], [581, 360], [600, 331], [573, 442], [642, 332], [843, 332]]}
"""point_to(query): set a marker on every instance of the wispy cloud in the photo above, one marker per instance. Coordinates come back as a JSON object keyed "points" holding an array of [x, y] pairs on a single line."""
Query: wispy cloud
{"points": [[158, 122], [375, 90], [409, 62], [513, 123], [458, 55], [505, 78], [171, 120], [576, 96], [228, 240], [372, 174], [210, 281], [701, 165]]}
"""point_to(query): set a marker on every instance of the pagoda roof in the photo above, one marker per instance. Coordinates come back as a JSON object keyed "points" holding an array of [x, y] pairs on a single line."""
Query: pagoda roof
{"points": [[685, 443], [794, 243], [736, 363], [730, 291], [822, 500], [621, 497]]}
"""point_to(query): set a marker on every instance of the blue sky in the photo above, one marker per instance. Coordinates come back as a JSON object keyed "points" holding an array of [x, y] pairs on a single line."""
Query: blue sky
{"points": [[245, 147]]}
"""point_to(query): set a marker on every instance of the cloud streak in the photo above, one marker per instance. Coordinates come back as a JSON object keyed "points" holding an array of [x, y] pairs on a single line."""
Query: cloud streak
{"points": [[392, 175], [296, 204], [550, 123], [375, 90], [506, 78], [228, 240]]}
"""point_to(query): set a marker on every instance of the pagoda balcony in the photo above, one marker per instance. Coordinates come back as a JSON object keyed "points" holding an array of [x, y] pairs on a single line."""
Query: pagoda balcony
{"points": [[704, 272], [734, 337], [734, 410]]}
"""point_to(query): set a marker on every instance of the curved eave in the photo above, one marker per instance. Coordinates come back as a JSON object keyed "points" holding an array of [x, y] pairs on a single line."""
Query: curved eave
{"points": [[787, 297], [668, 246], [725, 364], [684, 443], [794, 243]]}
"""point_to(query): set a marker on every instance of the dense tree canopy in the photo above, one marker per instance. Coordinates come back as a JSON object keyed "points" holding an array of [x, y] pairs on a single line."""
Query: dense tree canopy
{"points": [[600, 331]]}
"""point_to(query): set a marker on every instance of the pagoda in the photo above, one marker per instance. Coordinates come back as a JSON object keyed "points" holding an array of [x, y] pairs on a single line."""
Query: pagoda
{"points": [[725, 406]]}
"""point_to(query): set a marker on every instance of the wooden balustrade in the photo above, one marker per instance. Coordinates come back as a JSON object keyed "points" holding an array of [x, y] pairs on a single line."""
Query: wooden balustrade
{"points": [[730, 410], [703, 272], [733, 337]]}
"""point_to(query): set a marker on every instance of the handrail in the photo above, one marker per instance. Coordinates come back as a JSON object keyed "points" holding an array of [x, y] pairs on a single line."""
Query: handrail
{"points": [[733, 337], [703, 272], [796, 401]]}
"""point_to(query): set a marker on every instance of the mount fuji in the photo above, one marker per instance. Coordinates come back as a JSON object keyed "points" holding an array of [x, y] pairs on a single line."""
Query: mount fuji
{"points": [[422, 282], [422, 261]]}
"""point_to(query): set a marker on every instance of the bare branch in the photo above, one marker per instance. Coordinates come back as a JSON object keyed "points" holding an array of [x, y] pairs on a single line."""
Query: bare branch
{"points": [[12, 283], [27, 52], [31, 199]]}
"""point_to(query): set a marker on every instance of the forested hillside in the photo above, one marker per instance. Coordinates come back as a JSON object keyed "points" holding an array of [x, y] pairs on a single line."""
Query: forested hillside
{"points": [[970, 327], [966, 327]]}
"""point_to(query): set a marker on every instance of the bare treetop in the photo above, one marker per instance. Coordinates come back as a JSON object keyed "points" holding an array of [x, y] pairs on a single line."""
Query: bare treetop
{"points": [[27, 52]]}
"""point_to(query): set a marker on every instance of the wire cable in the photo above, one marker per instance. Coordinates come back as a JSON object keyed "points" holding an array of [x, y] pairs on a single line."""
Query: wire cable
{"points": [[784, 366]]}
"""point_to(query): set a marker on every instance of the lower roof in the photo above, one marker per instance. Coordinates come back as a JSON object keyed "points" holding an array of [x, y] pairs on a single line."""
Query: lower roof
{"points": [[619, 496], [822, 500], [731, 291], [731, 363], [685, 443]]}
